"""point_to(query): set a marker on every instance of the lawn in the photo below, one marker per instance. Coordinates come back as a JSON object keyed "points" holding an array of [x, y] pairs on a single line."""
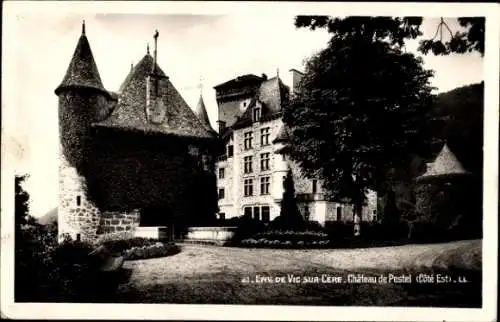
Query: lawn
{"points": [[225, 275]]}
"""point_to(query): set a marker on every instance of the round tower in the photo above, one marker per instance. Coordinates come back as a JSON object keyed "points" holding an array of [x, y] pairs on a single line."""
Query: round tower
{"points": [[82, 98]]}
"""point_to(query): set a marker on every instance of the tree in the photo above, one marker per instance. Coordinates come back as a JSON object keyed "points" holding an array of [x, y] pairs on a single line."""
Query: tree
{"points": [[290, 216], [21, 201], [359, 111], [396, 30]]}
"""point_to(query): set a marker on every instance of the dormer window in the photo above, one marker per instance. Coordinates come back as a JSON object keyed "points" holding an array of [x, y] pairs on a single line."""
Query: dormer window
{"points": [[256, 114]]}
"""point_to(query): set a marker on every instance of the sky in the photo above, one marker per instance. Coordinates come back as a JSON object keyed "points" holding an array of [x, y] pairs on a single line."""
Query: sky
{"points": [[192, 50]]}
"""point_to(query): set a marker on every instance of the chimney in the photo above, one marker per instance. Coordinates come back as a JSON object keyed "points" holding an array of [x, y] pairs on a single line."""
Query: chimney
{"points": [[296, 77], [264, 76], [156, 90], [222, 126]]}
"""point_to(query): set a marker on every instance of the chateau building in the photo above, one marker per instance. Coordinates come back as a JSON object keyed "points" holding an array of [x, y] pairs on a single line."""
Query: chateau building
{"points": [[251, 171], [132, 158]]}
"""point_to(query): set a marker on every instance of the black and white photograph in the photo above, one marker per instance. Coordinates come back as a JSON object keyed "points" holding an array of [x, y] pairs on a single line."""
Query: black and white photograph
{"points": [[299, 161]]}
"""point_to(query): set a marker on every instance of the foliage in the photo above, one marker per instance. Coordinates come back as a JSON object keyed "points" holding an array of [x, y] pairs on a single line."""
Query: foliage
{"points": [[140, 248], [48, 271], [151, 251], [290, 216], [246, 227], [461, 42], [119, 246], [21, 200], [356, 116], [397, 30]]}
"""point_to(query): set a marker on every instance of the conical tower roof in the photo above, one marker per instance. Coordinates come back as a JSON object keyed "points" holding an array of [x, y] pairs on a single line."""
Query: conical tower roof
{"points": [[282, 135], [82, 71], [201, 112], [445, 164]]}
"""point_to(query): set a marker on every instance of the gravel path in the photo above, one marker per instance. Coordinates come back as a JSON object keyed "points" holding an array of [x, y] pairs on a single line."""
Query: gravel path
{"points": [[196, 260], [225, 275]]}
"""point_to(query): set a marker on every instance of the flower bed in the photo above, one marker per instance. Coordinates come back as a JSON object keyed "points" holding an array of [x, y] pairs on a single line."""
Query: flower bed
{"points": [[288, 239], [152, 251], [141, 248]]}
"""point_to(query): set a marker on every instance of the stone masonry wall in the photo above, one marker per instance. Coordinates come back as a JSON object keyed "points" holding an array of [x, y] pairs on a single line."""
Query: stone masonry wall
{"points": [[76, 214], [122, 224]]}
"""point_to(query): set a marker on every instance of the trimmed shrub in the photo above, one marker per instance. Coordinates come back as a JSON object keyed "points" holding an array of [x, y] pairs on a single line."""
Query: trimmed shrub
{"points": [[246, 228], [120, 246], [151, 251]]}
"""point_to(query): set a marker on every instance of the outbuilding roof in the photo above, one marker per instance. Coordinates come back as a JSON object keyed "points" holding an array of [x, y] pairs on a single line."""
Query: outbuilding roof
{"points": [[445, 164]]}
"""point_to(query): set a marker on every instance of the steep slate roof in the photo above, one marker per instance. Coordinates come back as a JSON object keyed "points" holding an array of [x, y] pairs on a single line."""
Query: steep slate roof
{"points": [[248, 78], [282, 135], [272, 93], [130, 113], [201, 113], [445, 164], [82, 70]]}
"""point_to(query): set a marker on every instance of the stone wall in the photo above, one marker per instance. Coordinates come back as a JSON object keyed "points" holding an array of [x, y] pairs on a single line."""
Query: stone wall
{"points": [[119, 222], [76, 214]]}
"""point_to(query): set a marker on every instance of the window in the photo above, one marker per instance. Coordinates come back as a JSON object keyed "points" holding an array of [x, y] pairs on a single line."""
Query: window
{"points": [[306, 213], [222, 216], [248, 187], [221, 193], [247, 166], [339, 213], [256, 114], [265, 213], [221, 173], [284, 180], [264, 161], [264, 185], [248, 212], [264, 136], [315, 186], [78, 200], [374, 216], [283, 157], [256, 213], [230, 151], [248, 140]]}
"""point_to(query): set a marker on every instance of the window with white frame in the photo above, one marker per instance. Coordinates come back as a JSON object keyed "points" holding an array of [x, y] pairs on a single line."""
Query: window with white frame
{"points": [[264, 161], [248, 187], [247, 164], [264, 136], [248, 138], [265, 182]]}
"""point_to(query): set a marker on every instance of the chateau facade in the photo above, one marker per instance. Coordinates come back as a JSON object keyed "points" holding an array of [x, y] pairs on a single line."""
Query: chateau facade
{"points": [[132, 158], [251, 171]]}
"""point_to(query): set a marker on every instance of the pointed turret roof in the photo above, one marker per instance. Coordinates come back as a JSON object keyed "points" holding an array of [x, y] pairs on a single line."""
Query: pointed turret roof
{"points": [[445, 164], [130, 111], [82, 71], [282, 135], [201, 112]]}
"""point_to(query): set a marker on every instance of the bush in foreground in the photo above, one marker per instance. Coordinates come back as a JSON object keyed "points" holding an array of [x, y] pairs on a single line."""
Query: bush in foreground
{"points": [[48, 271], [141, 248]]}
